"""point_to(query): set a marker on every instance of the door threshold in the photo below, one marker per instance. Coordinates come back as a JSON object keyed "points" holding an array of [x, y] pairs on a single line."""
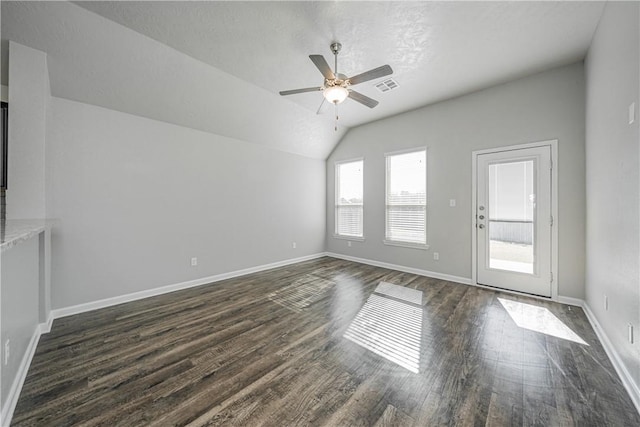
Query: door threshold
{"points": [[512, 292]]}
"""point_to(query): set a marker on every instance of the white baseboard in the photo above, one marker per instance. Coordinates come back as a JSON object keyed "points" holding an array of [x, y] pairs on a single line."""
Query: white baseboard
{"points": [[108, 302], [418, 271], [18, 381], [45, 327], [577, 302], [621, 369]]}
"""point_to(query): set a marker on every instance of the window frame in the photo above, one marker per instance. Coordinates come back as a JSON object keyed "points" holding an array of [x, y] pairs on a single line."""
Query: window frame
{"points": [[336, 168], [4, 144], [402, 243]]}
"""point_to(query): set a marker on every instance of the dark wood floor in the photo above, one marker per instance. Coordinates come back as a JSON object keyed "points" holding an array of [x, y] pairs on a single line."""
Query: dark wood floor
{"points": [[270, 349]]}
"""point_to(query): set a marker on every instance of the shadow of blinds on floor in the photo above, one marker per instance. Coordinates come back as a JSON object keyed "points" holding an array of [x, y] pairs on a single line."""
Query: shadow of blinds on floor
{"points": [[389, 324]]}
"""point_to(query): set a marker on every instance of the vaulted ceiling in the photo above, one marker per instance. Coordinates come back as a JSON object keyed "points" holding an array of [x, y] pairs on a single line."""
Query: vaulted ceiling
{"points": [[218, 66]]}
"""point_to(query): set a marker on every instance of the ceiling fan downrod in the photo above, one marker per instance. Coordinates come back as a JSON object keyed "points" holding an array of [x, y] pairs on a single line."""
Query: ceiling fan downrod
{"points": [[335, 48]]}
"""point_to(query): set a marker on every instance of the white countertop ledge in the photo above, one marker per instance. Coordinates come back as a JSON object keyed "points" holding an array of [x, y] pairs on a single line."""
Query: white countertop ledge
{"points": [[14, 231]]}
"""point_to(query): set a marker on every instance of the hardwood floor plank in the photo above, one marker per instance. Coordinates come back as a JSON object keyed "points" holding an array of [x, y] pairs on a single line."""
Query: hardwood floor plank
{"points": [[270, 349], [391, 417]]}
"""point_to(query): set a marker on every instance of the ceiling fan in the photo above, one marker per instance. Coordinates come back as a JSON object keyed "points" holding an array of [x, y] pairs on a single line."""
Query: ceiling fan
{"points": [[337, 87]]}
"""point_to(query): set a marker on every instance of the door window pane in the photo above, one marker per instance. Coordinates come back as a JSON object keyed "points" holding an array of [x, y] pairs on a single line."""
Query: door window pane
{"points": [[511, 216]]}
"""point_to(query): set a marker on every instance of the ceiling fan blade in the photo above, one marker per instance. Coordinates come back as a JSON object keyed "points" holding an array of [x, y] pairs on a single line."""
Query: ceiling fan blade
{"points": [[382, 71], [321, 105], [322, 65], [294, 91], [362, 99]]}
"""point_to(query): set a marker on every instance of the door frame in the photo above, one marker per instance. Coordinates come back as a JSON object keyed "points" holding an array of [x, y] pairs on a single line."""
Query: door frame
{"points": [[553, 144]]}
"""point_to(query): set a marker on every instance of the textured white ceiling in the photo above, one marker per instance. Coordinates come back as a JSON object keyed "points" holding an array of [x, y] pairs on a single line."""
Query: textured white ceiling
{"points": [[227, 61]]}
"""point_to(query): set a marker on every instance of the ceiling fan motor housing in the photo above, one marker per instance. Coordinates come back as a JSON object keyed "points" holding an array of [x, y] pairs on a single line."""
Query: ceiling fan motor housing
{"points": [[340, 80]]}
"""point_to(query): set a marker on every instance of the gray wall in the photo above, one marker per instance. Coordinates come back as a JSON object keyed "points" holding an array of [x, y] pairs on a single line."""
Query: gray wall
{"points": [[613, 190], [134, 199], [28, 95], [20, 285], [545, 106], [23, 300]]}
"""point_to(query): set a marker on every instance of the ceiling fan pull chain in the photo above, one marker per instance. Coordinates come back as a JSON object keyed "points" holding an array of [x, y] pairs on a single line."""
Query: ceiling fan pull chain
{"points": [[336, 128]]}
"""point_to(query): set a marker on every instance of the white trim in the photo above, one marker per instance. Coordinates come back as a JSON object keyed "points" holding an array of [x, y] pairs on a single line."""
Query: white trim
{"points": [[108, 302], [556, 220], [418, 271], [406, 150], [570, 301], [627, 380], [422, 246], [45, 327], [21, 375], [509, 291], [553, 144], [353, 160], [352, 238], [516, 147]]}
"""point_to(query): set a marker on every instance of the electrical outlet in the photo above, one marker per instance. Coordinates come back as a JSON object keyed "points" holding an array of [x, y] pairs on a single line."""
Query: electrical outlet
{"points": [[7, 351], [452, 203], [606, 303], [349, 243], [630, 330], [436, 256], [294, 245], [194, 261]]}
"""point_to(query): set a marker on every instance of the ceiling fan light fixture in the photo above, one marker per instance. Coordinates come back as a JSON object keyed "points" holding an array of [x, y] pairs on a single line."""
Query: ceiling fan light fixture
{"points": [[335, 94]]}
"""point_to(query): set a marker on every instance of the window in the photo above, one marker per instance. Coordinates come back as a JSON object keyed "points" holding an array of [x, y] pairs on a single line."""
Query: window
{"points": [[406, 201], [349, 207]]}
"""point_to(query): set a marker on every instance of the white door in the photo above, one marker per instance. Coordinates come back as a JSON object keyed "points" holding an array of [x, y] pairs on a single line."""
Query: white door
{"points": [[513, 220]]}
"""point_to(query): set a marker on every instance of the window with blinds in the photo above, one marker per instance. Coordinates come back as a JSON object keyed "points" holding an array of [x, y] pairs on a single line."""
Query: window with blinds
{"points": [[349, 197], [406, 199]]}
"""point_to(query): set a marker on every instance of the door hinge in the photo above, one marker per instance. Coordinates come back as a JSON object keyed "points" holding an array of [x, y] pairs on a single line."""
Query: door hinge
{"points": [[551, 221], [551, 277]]}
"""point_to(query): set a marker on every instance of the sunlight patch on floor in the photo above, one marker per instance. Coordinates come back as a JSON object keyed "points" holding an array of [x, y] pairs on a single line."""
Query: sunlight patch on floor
{"points": [[390, 325], [539, 319], [302, 293]]}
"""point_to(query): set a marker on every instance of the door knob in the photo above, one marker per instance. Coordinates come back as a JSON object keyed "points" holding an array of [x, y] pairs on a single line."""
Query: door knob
{"points": [[480, 225]]}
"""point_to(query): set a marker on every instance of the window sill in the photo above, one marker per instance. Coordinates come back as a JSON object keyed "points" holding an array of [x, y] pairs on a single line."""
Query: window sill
{"points": [[352, 238], [420, 246]]}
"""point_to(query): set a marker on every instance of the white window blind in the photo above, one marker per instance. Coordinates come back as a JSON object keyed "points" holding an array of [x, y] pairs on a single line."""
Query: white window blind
{"points": [[349, 196], [406, 200]]}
